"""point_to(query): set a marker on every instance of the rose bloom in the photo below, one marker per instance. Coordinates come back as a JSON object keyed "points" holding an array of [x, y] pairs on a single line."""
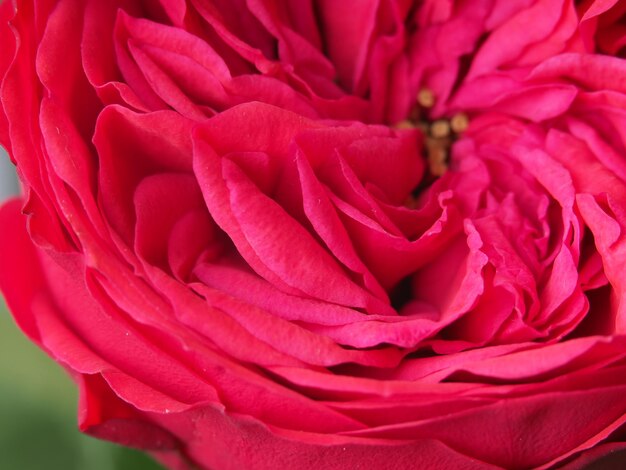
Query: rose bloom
{"points": [[318, 234]]}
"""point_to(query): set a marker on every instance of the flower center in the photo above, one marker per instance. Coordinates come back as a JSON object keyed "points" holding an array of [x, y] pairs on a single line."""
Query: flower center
{"points": [[440, 133]]}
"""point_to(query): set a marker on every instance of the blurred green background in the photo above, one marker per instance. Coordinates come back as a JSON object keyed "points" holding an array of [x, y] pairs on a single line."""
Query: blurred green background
{"points": [[38, 428]]}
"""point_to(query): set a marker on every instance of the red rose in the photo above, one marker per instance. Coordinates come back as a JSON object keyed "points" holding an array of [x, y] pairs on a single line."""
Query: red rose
{"points": [[253, 247]]}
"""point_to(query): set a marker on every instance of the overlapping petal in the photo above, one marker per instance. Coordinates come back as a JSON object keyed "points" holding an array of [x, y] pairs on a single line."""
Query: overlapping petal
{"points": [[244, 263]]}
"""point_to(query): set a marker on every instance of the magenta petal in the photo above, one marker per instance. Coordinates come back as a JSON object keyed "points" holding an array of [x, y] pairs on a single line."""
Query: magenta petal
{"points": [[250, 245], [160, 201], [591, 71], [122, 163]]}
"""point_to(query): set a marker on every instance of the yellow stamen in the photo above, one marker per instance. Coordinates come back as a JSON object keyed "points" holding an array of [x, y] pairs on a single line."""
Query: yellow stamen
{"points": [[440, 128], [426, 98], [459, 122], [405, 124], [437, 155]]}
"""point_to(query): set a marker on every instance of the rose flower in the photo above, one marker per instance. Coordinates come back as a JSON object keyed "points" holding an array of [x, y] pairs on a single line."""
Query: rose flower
{"points": [[314, 234]]}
